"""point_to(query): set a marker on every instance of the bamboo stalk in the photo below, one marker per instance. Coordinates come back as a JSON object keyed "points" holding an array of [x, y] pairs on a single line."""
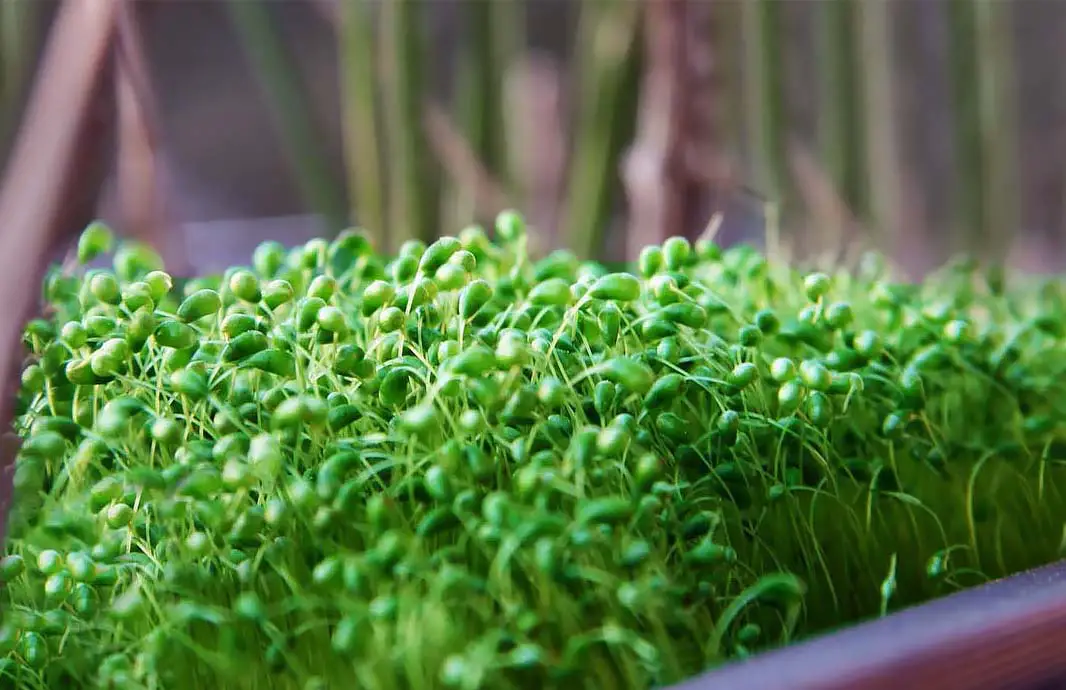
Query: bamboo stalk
{"points": [[884, 167], [16, 46], [509, 43], [840, 112], [608, 65], [764, 94], [281, 82], [17, 31], [882, 141], [362, 137], [966, 125], [46, 176], [481, 85], [413, 193], [476, 107], [998, 123], [728, 56], [492, 38]]}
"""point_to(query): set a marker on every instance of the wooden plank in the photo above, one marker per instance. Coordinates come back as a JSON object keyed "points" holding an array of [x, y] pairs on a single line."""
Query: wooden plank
{"points": [[1007, 634], [58, 141]]}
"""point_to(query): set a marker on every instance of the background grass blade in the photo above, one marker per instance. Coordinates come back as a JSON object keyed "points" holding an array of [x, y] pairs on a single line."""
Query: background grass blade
{"points": [[883, 167], [489, 45], [966, 125], [993, 28], [362, 136], [764, 95], [413, 192], [18, 30], [607, 72], [487, 52], [840, 115]]}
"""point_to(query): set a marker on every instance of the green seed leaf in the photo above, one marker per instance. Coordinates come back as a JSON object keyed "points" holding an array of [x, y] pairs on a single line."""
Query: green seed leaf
{"points": [[175, 335], [272, 361], [244, 346], [663, 391], [554, 292], [633, 375], [610, 510], [95, 240], [620, 287], [198, 305]]}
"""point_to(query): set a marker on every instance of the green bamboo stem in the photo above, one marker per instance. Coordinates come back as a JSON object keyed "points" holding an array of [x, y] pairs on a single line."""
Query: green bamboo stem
{"points": [[998, 124], [481, 83], [362, 147], [413, 195], [14, 47], [764, 94], [728, 54], [17, 32], [840, 112], [484, 55], [966, 125], [884, 168], [476, 93], [608, 65], [509, 44], [280, 80]]}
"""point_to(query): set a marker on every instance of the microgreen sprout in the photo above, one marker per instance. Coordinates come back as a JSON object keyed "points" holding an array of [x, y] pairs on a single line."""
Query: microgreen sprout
{"points": [[465, 466]]}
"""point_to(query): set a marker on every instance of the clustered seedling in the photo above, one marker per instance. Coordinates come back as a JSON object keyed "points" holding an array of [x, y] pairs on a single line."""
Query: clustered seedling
{"points": [[462, 467]]}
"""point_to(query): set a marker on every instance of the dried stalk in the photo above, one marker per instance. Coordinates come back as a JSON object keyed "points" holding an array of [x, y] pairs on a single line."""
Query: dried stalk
{"points": [[840, 229], [59, 134], [717, 123], [462, 164], [536, 99], [330, 10], [656, 174]]}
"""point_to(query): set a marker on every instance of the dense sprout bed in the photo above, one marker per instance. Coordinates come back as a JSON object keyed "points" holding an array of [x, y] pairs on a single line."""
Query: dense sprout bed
{"points": [[464, 467]]}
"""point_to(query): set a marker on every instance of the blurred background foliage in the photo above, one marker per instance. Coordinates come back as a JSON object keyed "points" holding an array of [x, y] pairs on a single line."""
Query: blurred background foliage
{"points": [[920, 128]]}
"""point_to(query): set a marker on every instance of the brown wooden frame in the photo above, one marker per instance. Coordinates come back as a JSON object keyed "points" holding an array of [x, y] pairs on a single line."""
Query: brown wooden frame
{"points": [[1005, 635]]}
